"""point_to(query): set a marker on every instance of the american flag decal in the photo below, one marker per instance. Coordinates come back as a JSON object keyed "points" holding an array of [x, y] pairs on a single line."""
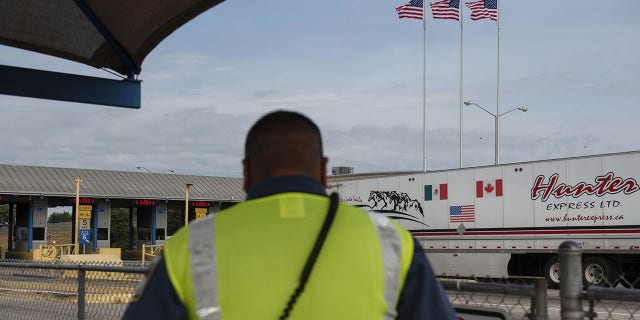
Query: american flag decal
{"points": [[462, 213]]}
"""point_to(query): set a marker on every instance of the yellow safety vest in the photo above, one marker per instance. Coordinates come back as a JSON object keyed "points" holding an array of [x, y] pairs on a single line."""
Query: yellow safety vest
{"points": [[248, 263]]}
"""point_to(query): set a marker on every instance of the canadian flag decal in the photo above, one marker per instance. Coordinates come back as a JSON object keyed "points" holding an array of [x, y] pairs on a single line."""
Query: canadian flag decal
{"points": [[489, 188]]}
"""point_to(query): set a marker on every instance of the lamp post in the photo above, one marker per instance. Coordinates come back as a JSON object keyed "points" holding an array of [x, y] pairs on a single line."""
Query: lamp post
{"points": [[143, 168], [75, 240], [149, 171], [497, 125]]}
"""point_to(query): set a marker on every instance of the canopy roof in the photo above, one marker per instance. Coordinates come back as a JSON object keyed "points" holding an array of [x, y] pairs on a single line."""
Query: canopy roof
{"points": [[114, 34]]}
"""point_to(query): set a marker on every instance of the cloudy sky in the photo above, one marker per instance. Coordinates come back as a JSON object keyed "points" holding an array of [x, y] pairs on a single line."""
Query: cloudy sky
{"points": [[356, 69]]}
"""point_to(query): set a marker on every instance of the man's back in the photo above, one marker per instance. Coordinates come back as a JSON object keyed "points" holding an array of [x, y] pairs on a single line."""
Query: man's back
{"points": [[250, 263], [261, 249]]}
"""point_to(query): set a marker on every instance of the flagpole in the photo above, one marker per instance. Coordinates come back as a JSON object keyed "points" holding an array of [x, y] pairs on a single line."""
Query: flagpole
{"points": [[461, 85], [424, 87], [497, 142]]}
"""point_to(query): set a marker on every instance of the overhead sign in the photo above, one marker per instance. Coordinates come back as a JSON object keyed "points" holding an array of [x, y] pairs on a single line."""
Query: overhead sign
{"points": [[84, 211], [144, 202], [84, 236], [200, 204], [83, 200], [87, 200], [201, 213]]}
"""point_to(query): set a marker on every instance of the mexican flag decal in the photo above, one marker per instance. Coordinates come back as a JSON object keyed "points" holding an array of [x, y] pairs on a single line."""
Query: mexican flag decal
{"points": [[435, 192]]}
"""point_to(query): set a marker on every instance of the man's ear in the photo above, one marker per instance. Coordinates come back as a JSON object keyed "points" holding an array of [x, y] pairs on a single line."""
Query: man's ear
{"points": [[246, 182], [323, 171]]}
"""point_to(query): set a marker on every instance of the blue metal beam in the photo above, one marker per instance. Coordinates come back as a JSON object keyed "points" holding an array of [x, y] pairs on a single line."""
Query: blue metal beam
{"points": [[69, 87]]}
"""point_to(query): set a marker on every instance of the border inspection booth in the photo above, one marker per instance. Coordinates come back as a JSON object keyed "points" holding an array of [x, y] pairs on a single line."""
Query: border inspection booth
{"points": [[156, 204]]}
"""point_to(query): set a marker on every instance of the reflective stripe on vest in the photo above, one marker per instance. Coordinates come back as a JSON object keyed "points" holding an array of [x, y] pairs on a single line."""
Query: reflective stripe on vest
{"points": [[391, 246], [202, 251]]}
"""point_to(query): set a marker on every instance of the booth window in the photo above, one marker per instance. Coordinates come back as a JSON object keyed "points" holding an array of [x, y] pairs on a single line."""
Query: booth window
{"points": [[144, 234], [38, 234], [160, 234], [103, 233]]}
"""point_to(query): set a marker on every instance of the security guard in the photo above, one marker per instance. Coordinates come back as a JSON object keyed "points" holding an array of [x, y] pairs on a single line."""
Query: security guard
{"points": [[289, 251]]}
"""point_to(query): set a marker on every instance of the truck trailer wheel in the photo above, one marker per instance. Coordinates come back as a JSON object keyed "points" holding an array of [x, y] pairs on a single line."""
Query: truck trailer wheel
{"points": [[599, 271], [552, 272]]}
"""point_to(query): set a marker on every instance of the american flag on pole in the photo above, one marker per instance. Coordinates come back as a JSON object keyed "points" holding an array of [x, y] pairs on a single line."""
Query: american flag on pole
{"points": [[462, 213], [413, 10], [447, 9], [483, 9]]}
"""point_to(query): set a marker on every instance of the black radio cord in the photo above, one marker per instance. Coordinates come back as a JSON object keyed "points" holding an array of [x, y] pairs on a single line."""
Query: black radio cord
{"points": [[328, 220]]}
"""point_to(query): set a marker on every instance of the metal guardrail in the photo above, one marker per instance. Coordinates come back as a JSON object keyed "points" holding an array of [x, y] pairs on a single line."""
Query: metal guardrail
{"points": [[621, 298], [496, 295], [150, 251], [55, 251]]}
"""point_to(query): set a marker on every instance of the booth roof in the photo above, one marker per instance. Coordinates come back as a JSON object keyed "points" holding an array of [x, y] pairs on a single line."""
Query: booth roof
{"points": [[50, 181]]}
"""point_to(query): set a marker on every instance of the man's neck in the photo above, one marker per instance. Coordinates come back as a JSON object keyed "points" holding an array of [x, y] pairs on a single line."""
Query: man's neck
{"points": [[284, 184]]}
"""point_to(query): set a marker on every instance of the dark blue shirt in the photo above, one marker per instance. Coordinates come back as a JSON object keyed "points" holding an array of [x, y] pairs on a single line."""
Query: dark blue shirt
{"points": [[422, 296]]}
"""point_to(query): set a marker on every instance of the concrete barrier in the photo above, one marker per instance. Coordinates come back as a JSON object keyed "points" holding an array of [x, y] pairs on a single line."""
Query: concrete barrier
{"points": [[116, 252], [91, 259]]}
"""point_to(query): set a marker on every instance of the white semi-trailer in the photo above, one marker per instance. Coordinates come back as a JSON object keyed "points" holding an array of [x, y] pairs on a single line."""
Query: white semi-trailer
{"points": [[508, 220]]}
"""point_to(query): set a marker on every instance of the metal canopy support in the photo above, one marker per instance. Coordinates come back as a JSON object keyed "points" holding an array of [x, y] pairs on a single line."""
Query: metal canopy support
{"points": [[117, 47], [69, 87]]}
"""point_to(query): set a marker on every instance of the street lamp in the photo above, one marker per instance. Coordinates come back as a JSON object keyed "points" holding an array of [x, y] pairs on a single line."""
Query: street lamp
{"points": [[143, 168], [497, 125], [149, 171]]}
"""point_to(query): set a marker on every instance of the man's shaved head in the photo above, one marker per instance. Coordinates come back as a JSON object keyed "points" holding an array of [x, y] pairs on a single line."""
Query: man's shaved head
{"points": [[283, 143]]}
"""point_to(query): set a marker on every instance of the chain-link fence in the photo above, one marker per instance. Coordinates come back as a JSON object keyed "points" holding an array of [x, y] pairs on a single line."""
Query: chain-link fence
{"points": [[69, 290], [600, 299], [607, 295], [531, 299], [59, 290]]}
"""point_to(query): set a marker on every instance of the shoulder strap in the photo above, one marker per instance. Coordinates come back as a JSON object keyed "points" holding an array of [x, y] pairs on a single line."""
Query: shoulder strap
{"points": [[313, 256], [202, 249]]}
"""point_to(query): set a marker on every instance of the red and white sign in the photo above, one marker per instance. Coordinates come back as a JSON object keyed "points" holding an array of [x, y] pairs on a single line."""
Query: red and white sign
{"points": [[489, 188]]}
